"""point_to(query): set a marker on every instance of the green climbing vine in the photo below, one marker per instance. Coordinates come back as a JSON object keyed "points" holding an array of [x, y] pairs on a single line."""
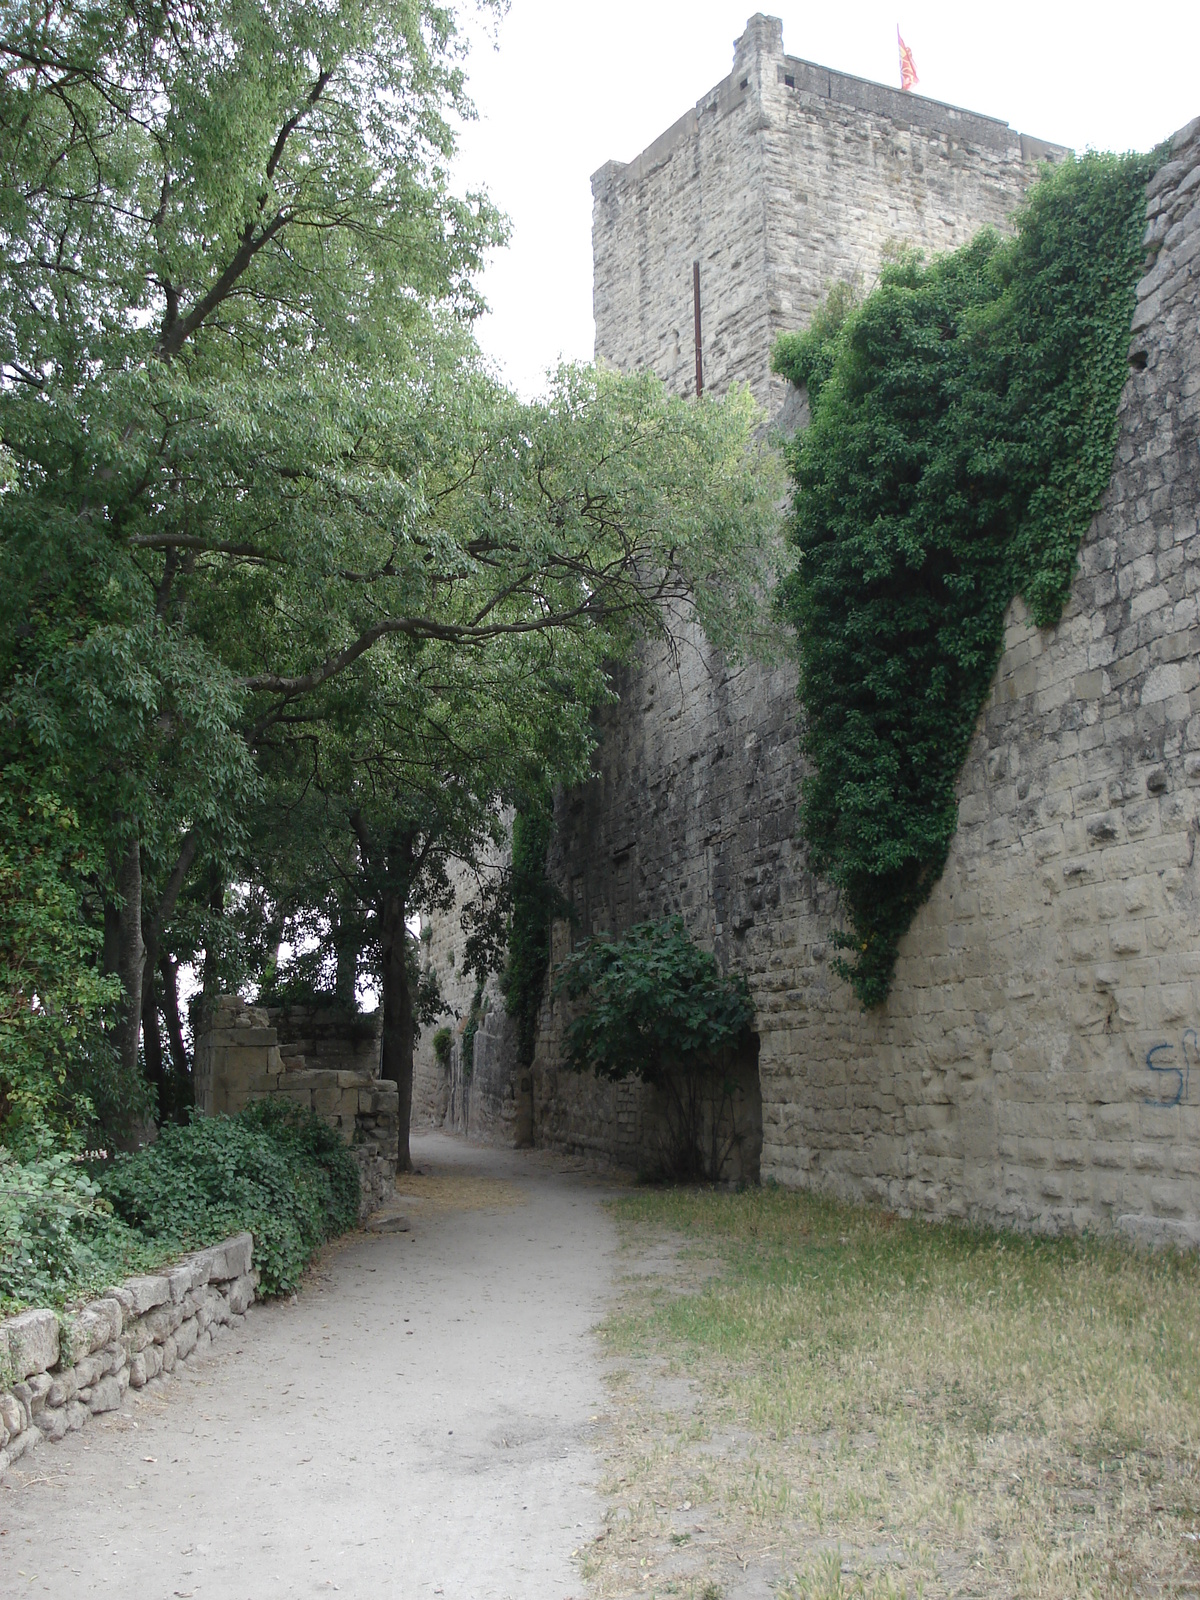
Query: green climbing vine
{"points": [[963, 432]]}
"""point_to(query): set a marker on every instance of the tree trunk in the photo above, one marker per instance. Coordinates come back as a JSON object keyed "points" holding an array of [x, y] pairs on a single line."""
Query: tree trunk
{"points": [[346, 945], [182, 1089], [152, 1045], [124, 946], [169, 968], [397, 1052]]}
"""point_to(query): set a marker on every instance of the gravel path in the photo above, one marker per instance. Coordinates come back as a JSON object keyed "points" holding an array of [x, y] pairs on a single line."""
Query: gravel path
{"points": [[417, 1422]]}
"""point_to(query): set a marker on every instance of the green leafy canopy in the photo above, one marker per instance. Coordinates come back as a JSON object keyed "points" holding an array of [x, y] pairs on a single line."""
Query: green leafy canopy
{"points": [[962, 435]]}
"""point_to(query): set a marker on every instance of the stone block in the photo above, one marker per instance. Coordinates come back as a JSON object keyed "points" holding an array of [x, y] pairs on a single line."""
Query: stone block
{"points": [[106, 1395], [53, 1423], [241, 1292], [64, 1387], [32, 1342], [11, 1419], [28, 1439]]}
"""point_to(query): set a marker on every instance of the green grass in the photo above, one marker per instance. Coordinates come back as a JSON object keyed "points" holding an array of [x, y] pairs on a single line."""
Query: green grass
{"points": [[884, 1407]]}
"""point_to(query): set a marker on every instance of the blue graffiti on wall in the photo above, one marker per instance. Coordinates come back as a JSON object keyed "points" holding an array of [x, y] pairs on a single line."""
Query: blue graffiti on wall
{"points": [[1176, 1070]]}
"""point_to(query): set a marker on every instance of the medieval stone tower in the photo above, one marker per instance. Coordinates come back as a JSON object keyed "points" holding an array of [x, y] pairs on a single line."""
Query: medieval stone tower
{"points": [[783, 180], [1033, 1063]]}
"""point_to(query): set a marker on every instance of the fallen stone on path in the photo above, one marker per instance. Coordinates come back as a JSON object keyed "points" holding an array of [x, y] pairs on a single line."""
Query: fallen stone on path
{"points": [[393, 1224]]}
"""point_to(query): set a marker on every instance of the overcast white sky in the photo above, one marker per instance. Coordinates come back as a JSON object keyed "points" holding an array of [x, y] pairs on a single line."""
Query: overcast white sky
{"points": [[571, 86]]}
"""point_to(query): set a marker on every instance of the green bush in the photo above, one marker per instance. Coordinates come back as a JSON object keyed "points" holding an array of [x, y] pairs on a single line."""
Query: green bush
{"points": [[443, 1043], [963, 430], [281, 1173], [659, 1008], [655, 1003], [57, 1068]]}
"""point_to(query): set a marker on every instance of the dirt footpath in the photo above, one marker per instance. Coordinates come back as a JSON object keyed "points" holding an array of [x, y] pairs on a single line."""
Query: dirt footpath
{"points": [[417, 1422]]}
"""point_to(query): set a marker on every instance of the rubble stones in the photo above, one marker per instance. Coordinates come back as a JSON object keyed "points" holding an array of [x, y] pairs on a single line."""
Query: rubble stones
{"points": [[128, 1338], [238, 1061]]}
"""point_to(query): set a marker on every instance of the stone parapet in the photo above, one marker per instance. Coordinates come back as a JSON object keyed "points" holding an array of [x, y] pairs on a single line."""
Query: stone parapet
{"points": [[59, 1369], [239, 1060], [329, 1036]]}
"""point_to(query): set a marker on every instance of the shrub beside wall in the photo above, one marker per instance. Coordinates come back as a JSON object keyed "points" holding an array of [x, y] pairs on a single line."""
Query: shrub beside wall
{"points": [[272, 1170]]}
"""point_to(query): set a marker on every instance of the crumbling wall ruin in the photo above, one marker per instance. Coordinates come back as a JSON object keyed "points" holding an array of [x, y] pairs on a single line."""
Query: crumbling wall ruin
{"points": [[239, 1059]]}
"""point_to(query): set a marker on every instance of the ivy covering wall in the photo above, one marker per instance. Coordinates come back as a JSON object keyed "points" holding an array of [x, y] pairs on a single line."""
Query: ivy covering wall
{"points": [[964, 421]]}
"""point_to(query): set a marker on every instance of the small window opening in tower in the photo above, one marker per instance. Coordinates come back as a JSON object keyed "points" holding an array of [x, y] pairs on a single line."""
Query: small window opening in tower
{"points": [[745, 83], [788, 81]]}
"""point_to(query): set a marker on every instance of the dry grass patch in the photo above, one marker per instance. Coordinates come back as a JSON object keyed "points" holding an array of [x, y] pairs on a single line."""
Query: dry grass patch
{"points": [[454, 1191], [858, 1405]]}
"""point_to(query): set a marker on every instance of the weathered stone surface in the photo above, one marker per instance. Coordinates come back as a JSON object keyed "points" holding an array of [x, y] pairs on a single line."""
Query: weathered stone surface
{"points": [[54, 1423], [238, 1062], [31, 1340], [185, 1338], [234, 1258], [107, 1394], [146, 1293], [241, 1295], [392, 1224], [164, 1321], [28, 1439], [38, 1387], [90, 1369], [63, 1387], [180, 1279], [10, 1415], [124, 1299]]}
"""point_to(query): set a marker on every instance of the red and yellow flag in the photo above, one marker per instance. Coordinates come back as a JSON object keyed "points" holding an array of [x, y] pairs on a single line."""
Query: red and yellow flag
{"points": [[908, 67]]}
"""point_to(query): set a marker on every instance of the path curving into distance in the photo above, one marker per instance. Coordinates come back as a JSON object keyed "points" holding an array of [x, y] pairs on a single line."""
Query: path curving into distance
{"points": [[417, 1422]]}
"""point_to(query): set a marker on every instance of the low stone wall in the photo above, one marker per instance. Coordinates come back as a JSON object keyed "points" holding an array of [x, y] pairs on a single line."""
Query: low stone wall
{"points": [[56, 1370], [239, 1059], [330, 1038]]}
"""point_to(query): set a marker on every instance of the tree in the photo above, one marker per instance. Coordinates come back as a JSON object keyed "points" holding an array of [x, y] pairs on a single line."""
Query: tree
{"points": [[203, 209], [250, 450], [656, 1007], [566, 531]]}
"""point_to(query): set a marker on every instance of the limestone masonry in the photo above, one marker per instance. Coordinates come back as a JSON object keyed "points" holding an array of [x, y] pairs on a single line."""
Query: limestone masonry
{"points": [[783, 180], [57, 1371], [246, 1053], [1033, 1063]]}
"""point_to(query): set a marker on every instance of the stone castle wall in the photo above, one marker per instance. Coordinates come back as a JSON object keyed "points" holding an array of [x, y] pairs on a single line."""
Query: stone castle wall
{"points": [[1034, 1062]]}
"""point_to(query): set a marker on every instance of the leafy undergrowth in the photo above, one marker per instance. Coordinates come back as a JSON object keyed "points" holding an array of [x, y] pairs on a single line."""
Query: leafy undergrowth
{"points": [[851, 1404], [282, 1174]]}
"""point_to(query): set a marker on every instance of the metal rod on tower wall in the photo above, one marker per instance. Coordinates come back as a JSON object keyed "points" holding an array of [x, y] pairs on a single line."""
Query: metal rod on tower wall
{"points": [[696, 305]]}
